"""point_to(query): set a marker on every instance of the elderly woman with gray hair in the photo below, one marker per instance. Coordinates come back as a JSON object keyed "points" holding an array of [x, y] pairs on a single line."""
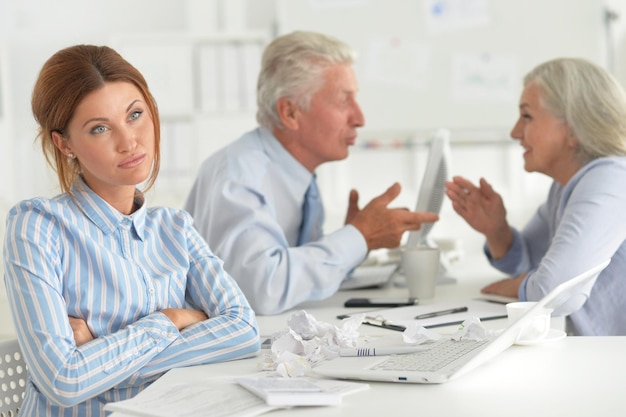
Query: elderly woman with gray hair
{"points": [[572, 126]]}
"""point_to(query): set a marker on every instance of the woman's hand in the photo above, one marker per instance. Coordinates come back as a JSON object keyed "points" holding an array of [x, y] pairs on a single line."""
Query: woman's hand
{"points": [[182, 317], [508, 287], [82, 334], [483, 209]]}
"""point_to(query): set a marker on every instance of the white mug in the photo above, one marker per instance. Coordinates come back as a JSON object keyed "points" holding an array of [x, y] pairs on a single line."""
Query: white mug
{"points": [[421, 270], [537, 328]]}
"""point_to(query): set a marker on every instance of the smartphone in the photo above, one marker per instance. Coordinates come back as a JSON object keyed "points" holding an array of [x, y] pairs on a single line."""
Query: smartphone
{"points": [[380, 302]]}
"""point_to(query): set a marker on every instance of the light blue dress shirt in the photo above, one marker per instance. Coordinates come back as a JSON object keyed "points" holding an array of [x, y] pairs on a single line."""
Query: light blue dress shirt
{"points": [[75, 255], [580, 225], [247, 203]]}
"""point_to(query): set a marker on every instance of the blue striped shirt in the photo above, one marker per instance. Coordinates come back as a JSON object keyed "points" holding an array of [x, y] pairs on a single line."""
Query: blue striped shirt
{"points": [[75, 255]]}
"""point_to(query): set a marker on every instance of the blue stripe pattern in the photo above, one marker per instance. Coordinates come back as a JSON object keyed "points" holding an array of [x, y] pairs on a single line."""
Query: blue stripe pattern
{"points": [[74, 255]]}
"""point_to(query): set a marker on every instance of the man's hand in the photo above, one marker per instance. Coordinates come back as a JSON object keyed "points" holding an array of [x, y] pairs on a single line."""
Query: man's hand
{"points": [[381, 226], [353, 206]]}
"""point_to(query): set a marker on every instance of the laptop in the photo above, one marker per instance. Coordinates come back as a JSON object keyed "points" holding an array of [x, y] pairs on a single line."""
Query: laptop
{"points": [[564, 299], [368, 276]]}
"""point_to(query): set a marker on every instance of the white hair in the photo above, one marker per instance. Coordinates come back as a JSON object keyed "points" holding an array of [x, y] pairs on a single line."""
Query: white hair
{"points": [[293, 66], [590, 101]]}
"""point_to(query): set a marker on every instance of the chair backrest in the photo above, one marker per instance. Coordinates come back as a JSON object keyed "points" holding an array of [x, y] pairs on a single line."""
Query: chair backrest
{"points": [[12, 378]]}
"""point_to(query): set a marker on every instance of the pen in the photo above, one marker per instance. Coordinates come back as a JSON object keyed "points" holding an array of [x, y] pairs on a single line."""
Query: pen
{"points": [[441, 313], [454, 323], [373, 321], [381, 351]]}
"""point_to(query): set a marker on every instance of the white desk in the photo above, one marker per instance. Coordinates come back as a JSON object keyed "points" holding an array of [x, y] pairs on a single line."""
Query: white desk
{"points": [[576, 376], [473, 274], [557, 379]]}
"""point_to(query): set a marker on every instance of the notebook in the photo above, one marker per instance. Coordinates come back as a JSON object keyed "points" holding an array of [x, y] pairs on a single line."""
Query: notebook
{"points": [[564, 299], [366, 276]]}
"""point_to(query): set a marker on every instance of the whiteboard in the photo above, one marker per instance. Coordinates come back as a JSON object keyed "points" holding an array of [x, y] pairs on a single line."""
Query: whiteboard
{"points": [[425, 64]]}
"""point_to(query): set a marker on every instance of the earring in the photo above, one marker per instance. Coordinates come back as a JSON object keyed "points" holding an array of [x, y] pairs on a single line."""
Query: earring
{"points": [[70, 155]]}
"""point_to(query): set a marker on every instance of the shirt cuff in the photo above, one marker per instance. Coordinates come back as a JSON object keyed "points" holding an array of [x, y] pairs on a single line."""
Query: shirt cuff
{"points": [[350, 244], [151, 335], [509, 262], [159, 330]]}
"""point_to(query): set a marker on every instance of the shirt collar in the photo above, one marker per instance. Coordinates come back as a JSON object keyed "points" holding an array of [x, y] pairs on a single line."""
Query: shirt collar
{"points": [[282, 158], [102, 214]]}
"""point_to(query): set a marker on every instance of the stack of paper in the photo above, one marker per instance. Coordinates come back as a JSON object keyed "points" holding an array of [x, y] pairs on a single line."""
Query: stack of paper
{"points": [[301, 391], [213, 397], [225, 397]]}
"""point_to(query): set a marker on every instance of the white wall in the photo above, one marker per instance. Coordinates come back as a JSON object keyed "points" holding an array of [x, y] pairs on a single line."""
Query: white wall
{"points": [[442, 71], [617, 36], [30, 31]]}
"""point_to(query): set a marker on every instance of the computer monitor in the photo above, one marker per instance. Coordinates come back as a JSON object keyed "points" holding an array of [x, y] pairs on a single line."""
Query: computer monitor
{"points": [[432, 189], [431, 195]]}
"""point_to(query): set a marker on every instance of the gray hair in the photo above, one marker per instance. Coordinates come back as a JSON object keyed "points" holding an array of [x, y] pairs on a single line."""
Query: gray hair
{"points": [[292, 66], [589, 100]]}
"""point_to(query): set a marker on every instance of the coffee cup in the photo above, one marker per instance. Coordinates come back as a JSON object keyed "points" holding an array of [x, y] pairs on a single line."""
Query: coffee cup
{"points": [[537, 327], [421, 270]]}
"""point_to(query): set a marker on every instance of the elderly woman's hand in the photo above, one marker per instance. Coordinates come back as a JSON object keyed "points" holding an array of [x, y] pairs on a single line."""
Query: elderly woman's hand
{"points": [[483, 209]]}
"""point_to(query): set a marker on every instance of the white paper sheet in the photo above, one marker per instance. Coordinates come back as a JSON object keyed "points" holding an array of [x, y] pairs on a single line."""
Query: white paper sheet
{"points": [[213, 397]]}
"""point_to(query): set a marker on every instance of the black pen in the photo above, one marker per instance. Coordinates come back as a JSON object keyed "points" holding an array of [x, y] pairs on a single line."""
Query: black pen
{"points": [[441, 313], [454, 323], [373, 321]]}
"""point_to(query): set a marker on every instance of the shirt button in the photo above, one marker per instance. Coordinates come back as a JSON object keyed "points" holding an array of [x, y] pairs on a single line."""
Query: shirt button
{"points": [[151, 290]]}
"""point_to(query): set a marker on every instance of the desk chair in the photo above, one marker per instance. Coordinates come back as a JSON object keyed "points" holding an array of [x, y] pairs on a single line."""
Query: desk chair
{"points": [[12, 378]]}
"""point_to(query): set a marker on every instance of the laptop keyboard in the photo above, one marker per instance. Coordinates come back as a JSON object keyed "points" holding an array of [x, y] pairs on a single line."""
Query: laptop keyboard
{"points": [[441, 354]]}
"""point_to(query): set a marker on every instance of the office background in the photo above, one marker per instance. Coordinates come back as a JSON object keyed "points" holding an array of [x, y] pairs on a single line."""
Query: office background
{"points": [[422, 64]]}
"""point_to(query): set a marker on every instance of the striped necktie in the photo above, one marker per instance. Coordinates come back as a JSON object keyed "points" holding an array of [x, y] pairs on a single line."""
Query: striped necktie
{"points": [[312, 215]]}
